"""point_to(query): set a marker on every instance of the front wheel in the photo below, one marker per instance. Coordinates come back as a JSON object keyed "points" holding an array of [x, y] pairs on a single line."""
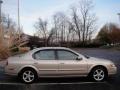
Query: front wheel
{"points": [[98, 74]]}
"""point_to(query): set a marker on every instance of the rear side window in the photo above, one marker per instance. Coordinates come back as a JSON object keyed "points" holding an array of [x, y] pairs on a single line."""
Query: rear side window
{"points": [[45, 55]]}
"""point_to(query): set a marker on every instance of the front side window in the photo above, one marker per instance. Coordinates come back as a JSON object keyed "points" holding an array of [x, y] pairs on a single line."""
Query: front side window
{"points": [[45, 55], [66, 55]]}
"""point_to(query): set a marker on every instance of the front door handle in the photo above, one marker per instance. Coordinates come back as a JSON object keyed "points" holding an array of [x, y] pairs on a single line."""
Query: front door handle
{"points": [[62, 63]]}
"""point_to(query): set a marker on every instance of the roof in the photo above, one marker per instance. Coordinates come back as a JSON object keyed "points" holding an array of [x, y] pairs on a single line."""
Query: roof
{"points": [[50, 48], [42, 48]]}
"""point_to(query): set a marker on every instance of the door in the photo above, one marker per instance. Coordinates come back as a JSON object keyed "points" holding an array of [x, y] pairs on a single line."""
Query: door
{"points": [[68, 65], [46, 62]]}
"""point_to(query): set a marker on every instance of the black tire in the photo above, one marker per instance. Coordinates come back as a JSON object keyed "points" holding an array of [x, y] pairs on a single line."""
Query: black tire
{"points": [[98, 77], [32, 73]]}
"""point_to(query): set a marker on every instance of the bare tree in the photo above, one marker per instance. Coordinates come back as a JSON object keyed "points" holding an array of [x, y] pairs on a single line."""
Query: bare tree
{"points": [[87, 18], [56, 27], [76, 22], [50, 37], [7, 21], [84, 20], [61, 26], [90, 27], [42, 30], [78, 28], [44, 33]]}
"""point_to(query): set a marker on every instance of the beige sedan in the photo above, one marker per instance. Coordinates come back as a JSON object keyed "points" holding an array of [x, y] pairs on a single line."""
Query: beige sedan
{"points": [[58, 62]]}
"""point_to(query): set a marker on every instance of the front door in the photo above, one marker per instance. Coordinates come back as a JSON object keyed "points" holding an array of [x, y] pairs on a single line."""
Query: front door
{"points": [[68, 65]]}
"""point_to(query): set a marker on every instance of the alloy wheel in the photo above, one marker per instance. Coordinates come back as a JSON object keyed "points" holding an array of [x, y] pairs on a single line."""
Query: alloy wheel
{"points": [[28, 76], [98, 75]]}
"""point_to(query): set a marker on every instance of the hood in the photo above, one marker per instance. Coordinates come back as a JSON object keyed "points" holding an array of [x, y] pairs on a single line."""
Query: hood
{"points": [[100, 60]]}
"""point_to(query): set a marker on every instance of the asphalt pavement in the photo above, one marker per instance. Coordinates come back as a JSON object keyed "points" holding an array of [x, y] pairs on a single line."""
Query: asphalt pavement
{"points": [[12, 83]]}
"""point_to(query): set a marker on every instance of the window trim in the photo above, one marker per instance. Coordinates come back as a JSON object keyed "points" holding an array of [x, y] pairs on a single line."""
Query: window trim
{"points": [[33, 55]]}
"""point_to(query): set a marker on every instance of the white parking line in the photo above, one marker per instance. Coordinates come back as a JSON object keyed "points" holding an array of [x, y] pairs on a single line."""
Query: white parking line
{"points": [[11, 83], [44, 84], [67, 83]]}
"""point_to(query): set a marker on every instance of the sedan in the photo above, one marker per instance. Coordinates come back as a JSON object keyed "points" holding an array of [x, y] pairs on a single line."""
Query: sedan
{"points": [[58, 62]]}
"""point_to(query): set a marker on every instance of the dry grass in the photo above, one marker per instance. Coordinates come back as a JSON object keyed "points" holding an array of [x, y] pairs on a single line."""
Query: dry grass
{"points": [[4, 52], [10, 42], [24, 49]]}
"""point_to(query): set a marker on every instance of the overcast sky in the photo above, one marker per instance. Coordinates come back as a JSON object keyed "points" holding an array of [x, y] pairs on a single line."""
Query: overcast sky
{"points": [[31, 10]]}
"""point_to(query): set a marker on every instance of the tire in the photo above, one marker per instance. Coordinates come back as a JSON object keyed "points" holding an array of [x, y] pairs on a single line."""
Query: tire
{"points": [[98, 74], [28, 76]]}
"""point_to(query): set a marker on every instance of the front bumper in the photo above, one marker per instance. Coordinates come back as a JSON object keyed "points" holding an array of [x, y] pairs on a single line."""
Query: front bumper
{"points": [[112, 71]]}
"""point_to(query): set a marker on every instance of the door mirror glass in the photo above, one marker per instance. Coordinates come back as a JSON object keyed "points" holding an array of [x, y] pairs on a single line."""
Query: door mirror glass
{"points": [[79, 58]]}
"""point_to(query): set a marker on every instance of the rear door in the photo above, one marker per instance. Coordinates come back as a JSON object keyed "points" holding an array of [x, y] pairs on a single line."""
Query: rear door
{"points": [[46, 62], [68, 65]]}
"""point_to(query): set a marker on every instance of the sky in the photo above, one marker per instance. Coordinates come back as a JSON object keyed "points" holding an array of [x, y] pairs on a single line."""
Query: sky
{"points": [[30, 10]]}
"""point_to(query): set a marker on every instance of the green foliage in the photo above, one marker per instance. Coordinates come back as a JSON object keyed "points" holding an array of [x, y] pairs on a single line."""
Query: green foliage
{"points": [[103, 37], [109, 34]]}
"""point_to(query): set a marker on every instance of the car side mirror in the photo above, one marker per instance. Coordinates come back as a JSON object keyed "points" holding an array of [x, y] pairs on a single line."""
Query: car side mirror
{"points": [[79, 58]]}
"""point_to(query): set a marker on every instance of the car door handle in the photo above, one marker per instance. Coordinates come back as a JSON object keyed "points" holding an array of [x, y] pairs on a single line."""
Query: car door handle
{"points": [[62, 63], [35, 63]]}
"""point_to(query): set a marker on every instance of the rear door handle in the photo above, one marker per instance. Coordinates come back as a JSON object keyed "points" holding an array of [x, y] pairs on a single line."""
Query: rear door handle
{"points": [[35, 63]]}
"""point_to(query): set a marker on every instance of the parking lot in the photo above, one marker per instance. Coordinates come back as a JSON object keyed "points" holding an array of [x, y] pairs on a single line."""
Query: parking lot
{"points": [[70, 83]]}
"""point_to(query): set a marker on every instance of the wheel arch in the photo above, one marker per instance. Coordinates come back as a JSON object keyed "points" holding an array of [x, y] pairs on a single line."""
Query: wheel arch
{"points": [[101, 66], [28, 67]]}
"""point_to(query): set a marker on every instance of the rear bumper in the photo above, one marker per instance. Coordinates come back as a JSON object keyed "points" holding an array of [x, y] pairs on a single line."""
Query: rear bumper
{"points": [[11, 74], [10, 71]]}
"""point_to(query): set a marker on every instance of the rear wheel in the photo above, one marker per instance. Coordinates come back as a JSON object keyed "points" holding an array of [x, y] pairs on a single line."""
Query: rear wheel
{"points": [[98, 74], [28, 76]]}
